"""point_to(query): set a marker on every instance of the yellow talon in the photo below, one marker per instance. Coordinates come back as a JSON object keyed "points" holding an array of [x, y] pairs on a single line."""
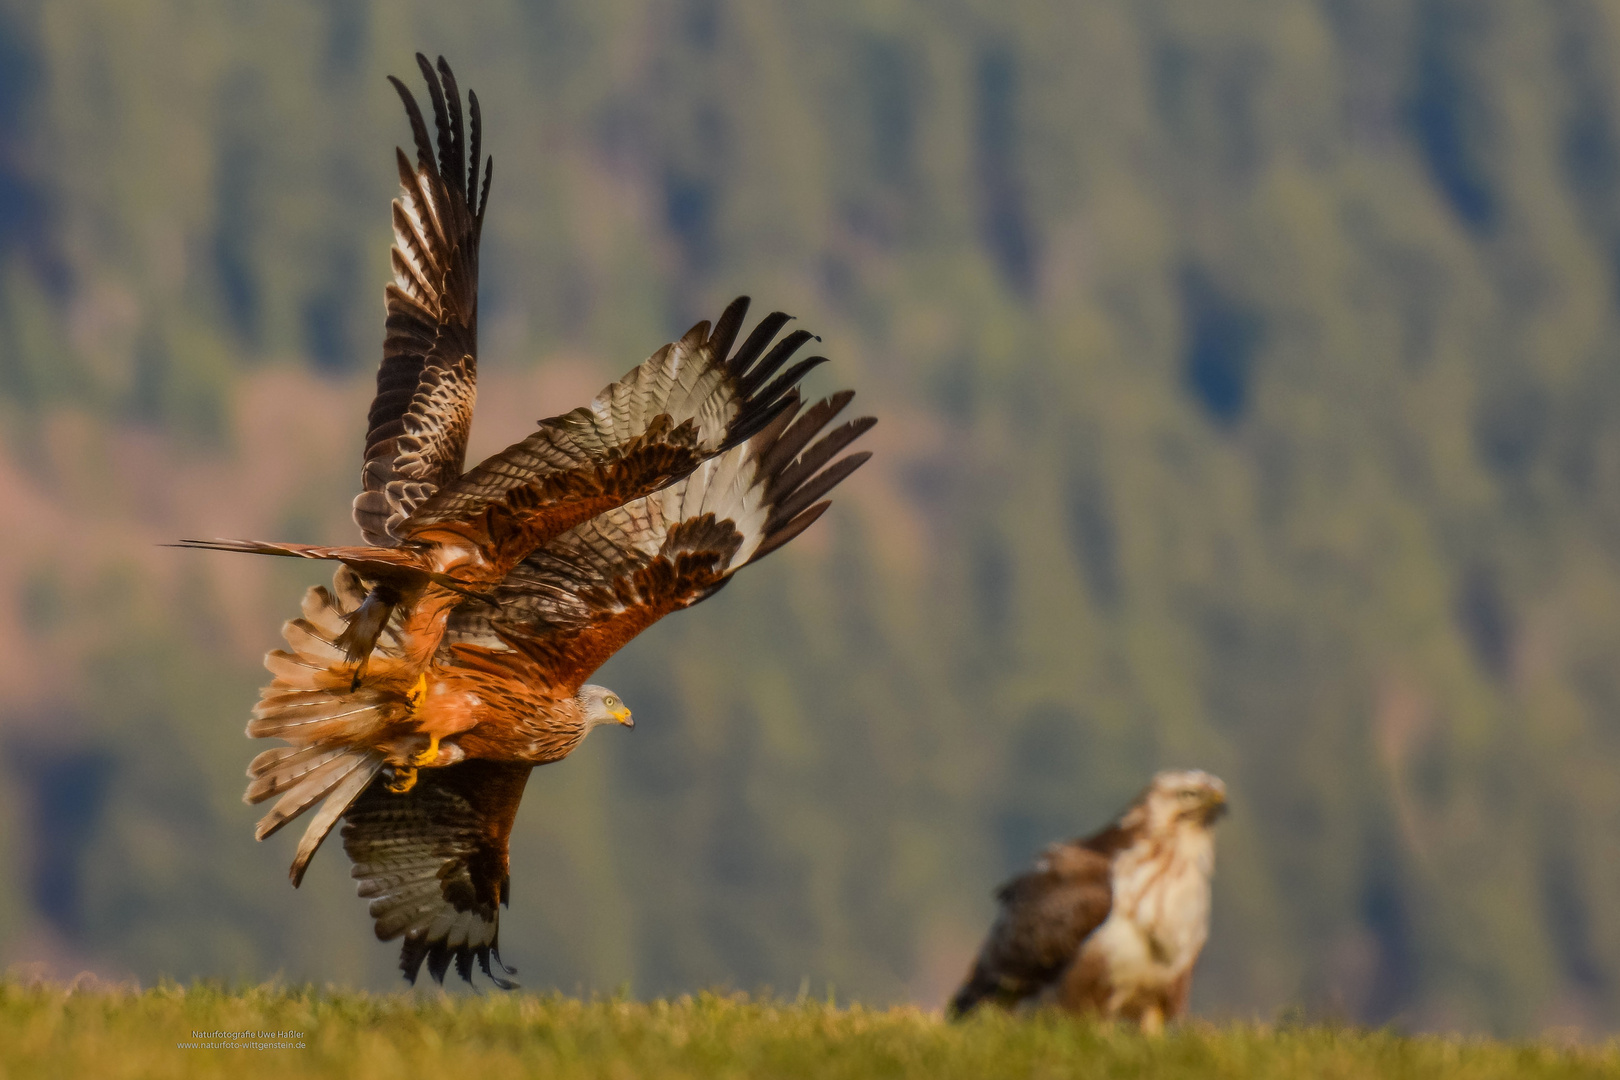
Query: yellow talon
{"points": [[418, 694], [403, 780], [426, 757]]}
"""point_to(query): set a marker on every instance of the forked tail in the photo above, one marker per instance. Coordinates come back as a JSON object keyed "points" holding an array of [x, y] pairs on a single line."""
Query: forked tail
{"points": [[332, 727]]}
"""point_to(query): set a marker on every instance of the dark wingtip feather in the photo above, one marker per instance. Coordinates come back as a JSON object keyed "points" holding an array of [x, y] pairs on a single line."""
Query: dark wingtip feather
{"points": [[750, 366], [726, 326], [441, 115], [771, 431], [438, 961], [786, 448], [419, 134], [790, 377], [455, 168], [412, 951], [778, 356], [475, 122], [754, 345], [795, 481], [783, 534], [484, 956], [815, 488], [787, 474], [752, 423], [824, 451], [415, 950]]}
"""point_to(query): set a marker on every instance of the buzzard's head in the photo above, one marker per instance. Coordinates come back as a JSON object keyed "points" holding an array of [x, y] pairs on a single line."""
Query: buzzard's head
{"points": [[599, 705], [1183, 797]]}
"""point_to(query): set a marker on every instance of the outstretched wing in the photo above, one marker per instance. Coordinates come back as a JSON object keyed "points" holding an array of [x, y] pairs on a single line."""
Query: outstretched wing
{"points": [[575, 601], [433, 861], [416, 438], [1045, 916], [689, 401]]}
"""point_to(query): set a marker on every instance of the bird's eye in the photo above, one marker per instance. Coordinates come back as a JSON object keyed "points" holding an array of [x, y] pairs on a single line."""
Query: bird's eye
{"points": [[611, 702]]}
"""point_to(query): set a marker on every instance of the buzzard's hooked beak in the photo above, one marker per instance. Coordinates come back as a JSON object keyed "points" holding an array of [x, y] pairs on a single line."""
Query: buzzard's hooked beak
{"points": [[1215, 808], [622, 715]]}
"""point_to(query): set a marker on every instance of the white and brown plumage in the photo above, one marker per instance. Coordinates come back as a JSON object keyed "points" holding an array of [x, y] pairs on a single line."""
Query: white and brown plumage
{"points": [[1111, 924]]}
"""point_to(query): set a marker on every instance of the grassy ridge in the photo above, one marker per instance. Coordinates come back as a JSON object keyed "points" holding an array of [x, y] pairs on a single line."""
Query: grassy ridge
{"points": [[51, 1031]]}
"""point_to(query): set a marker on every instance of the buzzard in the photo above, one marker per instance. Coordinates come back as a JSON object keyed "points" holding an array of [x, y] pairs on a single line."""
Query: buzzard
{"points": [[1111, 924], [450, 656]]}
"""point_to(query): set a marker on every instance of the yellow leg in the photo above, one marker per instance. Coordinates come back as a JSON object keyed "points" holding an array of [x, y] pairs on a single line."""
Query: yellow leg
{"points": [[426, 757], [405, 775]]}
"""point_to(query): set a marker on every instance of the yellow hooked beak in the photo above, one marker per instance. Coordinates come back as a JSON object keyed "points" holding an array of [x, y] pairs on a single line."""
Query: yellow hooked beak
{"points": [[622, 716]]}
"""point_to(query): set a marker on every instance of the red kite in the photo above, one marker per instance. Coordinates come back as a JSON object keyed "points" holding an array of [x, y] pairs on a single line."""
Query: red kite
{"points": [[450, 656], [434, 763]]}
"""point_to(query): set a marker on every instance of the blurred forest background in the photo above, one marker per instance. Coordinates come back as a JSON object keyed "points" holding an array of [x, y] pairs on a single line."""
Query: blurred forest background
{"points": [[1249, 377]]}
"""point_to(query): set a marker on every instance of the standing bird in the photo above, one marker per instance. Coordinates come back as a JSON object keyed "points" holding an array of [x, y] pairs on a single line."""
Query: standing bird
{"points": [[451, 654], [1112, 924]]}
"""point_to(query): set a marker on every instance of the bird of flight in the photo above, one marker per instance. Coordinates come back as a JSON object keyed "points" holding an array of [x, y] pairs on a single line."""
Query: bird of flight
{"points": [[1111, 924], [451, 654]]}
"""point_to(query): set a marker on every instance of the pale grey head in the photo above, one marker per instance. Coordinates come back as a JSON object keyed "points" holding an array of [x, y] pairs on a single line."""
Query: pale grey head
{"points": [[1184, 795], [599, 705]]}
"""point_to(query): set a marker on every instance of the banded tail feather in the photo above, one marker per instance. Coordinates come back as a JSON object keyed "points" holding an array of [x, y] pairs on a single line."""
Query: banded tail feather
{"points": [[332, 729]]}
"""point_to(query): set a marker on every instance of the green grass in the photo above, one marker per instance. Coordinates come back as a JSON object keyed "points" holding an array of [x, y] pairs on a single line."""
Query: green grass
{"points": [[54, 1031]]}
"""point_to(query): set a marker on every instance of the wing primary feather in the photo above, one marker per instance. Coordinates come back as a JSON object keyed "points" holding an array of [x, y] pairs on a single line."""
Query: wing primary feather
{"points": [[726, 326], [787, 532], [746, 427], [816, 488], [483, 198], [778, 425], [484, 957], [441, 116], [475, 122], [424, 149], [790, 377], [756, 342], [786, 448], [438, 961], [453, 169], [818, 455], [774, 359], [411, 954]]}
